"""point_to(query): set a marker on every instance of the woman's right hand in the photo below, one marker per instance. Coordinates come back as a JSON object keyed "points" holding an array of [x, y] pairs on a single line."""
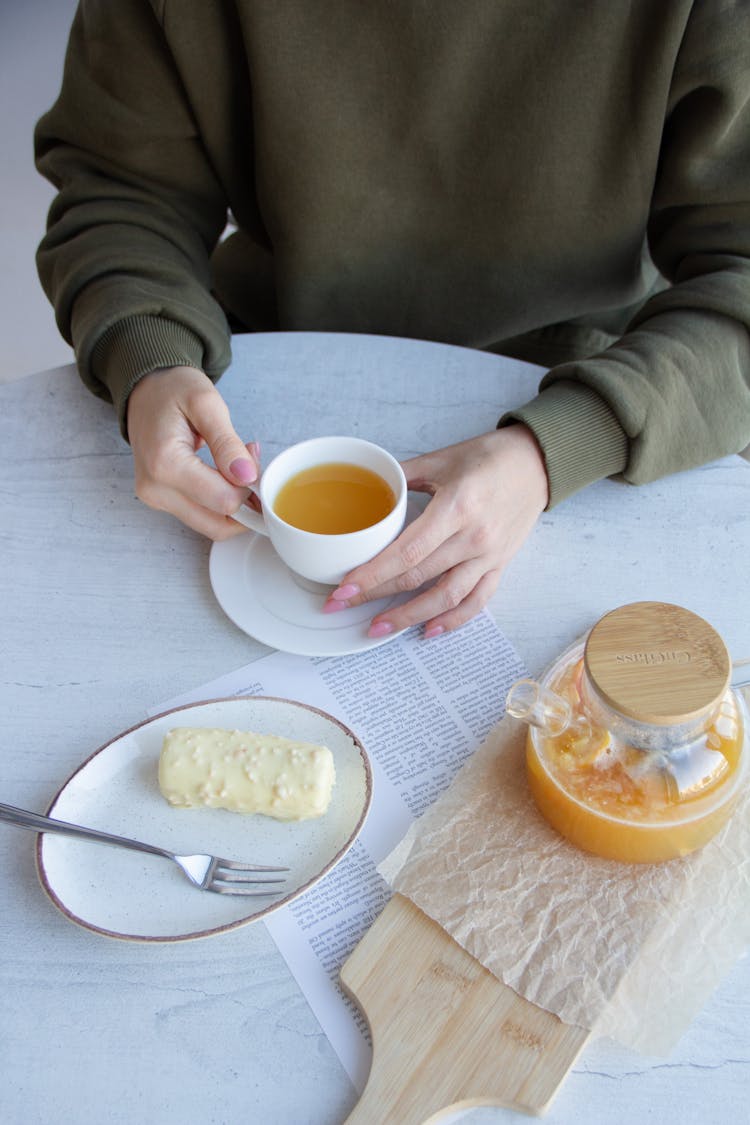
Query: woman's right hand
{"points": [[172, 413]]}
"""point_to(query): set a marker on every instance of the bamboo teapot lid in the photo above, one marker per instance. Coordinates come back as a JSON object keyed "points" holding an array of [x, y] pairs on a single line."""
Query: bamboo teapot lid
{"points": [[657, 663]]}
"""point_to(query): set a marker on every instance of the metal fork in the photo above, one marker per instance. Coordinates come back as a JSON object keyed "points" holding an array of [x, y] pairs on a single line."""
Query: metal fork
{"points": [[208, 872]]}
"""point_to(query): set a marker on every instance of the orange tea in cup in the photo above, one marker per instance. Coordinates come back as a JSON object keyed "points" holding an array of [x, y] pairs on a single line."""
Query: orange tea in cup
{"points": [[334, 498]]}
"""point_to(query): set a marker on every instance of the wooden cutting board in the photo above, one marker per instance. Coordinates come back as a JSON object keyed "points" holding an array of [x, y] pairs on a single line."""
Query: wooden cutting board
{"points": [[446, 1032]]}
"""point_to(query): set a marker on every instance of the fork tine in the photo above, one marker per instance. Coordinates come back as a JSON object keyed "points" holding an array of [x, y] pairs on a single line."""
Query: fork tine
{"points": [[235, 876], [230, 877], [239, 889], [233, 865]]}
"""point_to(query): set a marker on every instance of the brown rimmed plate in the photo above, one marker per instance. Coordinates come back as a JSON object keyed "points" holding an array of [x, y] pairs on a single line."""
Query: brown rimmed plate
{"points": [[136, 897]]}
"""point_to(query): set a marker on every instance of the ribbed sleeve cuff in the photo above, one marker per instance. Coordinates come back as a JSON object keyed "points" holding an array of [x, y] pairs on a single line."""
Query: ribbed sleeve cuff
{"points": [[579, 435], [137, 345]]}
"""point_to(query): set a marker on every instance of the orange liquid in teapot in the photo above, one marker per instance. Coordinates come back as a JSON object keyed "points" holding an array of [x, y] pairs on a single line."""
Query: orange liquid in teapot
{"points": [[633, 805]]}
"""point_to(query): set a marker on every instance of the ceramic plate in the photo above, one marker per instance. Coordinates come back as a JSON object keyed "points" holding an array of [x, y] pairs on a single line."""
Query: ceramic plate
{"points": [[259, 593], [130, 895]]}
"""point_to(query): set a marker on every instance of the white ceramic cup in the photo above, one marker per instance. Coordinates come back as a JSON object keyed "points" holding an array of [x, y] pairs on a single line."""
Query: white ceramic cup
{"points": [[319, 558]]}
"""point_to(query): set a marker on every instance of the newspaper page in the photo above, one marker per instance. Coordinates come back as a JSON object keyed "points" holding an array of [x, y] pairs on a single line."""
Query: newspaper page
{"points": [[421, 708]]}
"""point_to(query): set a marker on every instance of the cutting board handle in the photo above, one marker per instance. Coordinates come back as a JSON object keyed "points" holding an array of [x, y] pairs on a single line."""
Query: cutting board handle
{"points": [[446, 1033]]}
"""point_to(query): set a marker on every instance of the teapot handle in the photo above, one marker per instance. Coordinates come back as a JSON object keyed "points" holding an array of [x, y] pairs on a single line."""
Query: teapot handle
{"points": [[543, 708]]}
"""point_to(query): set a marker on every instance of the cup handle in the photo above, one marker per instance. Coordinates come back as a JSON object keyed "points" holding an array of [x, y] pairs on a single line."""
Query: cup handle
{"points": [[250, 518]]}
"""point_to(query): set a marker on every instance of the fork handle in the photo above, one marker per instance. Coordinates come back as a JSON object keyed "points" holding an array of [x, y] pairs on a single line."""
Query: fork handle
{"points": [[22, 818]]}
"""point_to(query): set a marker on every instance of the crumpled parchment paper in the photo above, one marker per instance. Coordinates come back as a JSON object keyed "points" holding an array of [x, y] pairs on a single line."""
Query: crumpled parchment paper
{"points": [[629, 951]]}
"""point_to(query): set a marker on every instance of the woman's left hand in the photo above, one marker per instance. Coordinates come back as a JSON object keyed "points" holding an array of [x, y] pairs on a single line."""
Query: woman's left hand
{"points": [[487, 494]]}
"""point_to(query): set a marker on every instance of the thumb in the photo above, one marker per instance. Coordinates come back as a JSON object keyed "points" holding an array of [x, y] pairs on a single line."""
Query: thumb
{"points": [[233, 459], [420, 472]]}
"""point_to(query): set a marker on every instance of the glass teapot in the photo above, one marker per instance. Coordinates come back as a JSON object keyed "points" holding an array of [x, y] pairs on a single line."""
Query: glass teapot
{"points": [[637, 747]]}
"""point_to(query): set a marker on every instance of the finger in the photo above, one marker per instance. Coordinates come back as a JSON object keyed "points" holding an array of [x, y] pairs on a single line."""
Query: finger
{"points": [[464, 545], [209, 488], [212, 524], [421, 472], [468, 608], [435, 604], [448, 555], [233, 459], [408, 557], [189, 478]]}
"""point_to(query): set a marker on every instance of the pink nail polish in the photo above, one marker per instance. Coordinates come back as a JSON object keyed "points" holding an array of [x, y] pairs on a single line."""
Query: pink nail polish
{"points": [[334, 607], [243, 470], [348, 590], [433, 631], [381, 629]]}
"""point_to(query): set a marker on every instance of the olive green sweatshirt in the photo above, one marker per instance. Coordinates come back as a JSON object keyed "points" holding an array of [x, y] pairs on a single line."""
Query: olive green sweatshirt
{"points": [[566, 182]]}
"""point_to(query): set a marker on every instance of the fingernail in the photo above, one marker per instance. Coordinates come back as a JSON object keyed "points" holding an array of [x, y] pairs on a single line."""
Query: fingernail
{"points": [[380, 629], [433, 631], [254, 448], [349, 590], [334, 607], [243, 470]]}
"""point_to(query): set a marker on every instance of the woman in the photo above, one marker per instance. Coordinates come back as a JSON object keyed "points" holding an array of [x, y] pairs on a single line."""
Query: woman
{"points": [[564, 183]]}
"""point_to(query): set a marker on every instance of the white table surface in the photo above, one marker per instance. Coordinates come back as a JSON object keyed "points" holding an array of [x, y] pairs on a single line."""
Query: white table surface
{"points": [[106, 610]]}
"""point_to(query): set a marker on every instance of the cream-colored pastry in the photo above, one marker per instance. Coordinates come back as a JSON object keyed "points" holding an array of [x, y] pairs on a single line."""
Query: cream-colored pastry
{"points": [[246, 772]]}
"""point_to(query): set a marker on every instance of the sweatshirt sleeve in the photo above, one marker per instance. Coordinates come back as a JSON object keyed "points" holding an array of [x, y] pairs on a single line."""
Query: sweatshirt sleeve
{"points": [[677, 383], [125, 259]]}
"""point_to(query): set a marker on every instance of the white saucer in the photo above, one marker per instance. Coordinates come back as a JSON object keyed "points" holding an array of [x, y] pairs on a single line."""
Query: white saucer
{"points": [[262, 596]]}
